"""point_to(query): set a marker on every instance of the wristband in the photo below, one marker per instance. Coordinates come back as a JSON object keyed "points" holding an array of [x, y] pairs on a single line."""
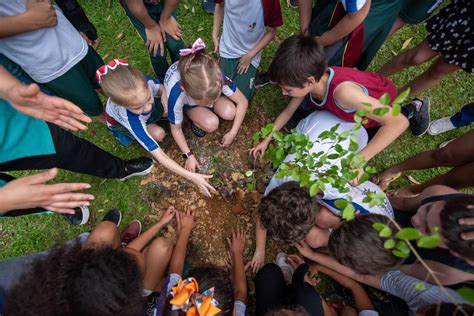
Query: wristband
{"points": [[187, 155]]}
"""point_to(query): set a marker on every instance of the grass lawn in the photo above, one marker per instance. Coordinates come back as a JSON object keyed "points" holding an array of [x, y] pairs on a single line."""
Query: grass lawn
{"points": [[143, 201]]}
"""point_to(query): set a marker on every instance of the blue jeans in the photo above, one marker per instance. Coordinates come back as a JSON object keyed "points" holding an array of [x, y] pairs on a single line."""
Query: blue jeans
{"points": [[464, 117]]}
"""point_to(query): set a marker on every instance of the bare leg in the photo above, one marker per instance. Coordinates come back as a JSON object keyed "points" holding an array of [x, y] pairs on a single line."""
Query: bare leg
{"points": [[225, 108], [157, 132], [412, 57], [100, 118], [204, 118], [104, 234], [433, 75], [157, 257], [398, 24]]}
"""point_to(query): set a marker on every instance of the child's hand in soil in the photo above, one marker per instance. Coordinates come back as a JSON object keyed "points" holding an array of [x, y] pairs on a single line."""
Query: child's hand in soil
{"points": [[168, 215], [237, 244], [185, 221], [258, 261], [228, 139]]}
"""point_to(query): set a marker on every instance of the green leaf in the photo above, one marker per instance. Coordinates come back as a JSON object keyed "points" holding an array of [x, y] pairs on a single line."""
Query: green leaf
{"points": [[363, 112], [349, 212], [389, 243], [256, 136], [280, 154], [313, 189], [364, 178], [385, 232], [278, 136], [367, 104], [420, 286], [402, 246], [250, 186], [340, 203], [249, 173], [333, 156], [381, 111], [400, 254], [385, 99], [430, 241], [267, 129], [402, 97], [378, 226], [396, 109], [408, 233], [467, 294]]}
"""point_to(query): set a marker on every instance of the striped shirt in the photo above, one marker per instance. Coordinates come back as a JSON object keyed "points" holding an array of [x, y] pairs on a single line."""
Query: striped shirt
{"points": [[352, 6]]}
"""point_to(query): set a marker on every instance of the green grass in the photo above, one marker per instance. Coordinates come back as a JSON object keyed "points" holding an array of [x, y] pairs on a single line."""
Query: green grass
{"points": [[34, 233]]}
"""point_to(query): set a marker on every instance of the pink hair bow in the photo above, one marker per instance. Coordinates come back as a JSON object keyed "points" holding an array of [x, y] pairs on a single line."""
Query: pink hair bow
{"points": [[198, 45]]}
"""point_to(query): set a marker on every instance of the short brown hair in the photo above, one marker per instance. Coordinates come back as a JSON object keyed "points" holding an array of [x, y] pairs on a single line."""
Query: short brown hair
{"points": [[201, 76], [298, 58], [288, 212], [120, 83], [357, 245]]}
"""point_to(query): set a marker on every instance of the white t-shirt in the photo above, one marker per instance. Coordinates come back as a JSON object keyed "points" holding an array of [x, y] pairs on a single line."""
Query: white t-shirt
{"points": [[177, 98], [244, 27], [44, 54], [312, 126], [352, 6]]}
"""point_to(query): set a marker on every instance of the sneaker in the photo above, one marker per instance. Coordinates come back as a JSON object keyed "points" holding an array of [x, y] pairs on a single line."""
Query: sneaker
{"points": [[261, 80], [292, 3], [137, 167], [444, 144], [80, 216], [132, 231], [114, 216], [441, 126], [208, 6], [197, 131], [420, 121], [285, 267]]}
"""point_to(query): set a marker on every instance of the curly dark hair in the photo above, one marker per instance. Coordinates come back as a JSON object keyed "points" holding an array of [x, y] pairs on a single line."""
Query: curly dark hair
{"points": [[357, 245], [298, 58], [75, 281], [451, 230], [288, 212], [209, 276]]}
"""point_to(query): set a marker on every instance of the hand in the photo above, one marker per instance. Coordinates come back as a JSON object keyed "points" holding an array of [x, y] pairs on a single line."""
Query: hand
{"points": [[202, 182], [192, 164], [41, 14], [228, 139], [356, 181], [469, 221], [168, 215], [260, 149], [185, 221], [94, 43], [172, 27], [31, 101], [32, 191], [155, 40], [244, 64], [295, 261], [304, 249], [215, 40], [237, 244], [257, 262]]}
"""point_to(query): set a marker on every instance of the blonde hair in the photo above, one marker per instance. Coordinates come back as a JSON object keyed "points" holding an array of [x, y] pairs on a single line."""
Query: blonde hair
{"points": [[120, 83], [201, 76]]}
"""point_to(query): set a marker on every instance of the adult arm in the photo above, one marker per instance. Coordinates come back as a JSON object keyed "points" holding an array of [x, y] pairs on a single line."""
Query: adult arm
{"points": [[345, 26], [167, 22], [154, 34], [31, 101], [241, 105], [33, 191], [350, 96], [217, 23], [305, 8], [411, 204], [38, 15]]}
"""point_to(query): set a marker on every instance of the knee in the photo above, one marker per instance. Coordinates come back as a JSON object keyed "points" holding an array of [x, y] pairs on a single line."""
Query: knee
{"points": [[210, 123], [415, 58], [162, 247], [229, 113], [443, 156], [104, 234], [157, 132], [440, 69]]}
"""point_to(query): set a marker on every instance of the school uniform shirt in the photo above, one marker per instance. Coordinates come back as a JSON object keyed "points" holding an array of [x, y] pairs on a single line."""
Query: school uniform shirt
{"points": [[352, 6], [372, 84], [313, 126], [177, 98], [244, 26], [134, 123], [44, 54]]}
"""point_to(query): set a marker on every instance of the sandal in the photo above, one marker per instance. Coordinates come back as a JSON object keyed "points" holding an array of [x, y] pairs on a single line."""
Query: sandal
{"points": [[197, 131], [384, 183]]}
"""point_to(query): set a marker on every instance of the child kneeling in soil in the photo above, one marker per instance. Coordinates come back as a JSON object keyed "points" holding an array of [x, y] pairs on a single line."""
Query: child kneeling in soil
{"points": [[133, 109], [196, 86], [206, 289]]}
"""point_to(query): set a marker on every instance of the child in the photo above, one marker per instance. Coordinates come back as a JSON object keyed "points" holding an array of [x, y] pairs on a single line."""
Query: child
{"points": [[290, 214], [299, 67], [207, 289], [156, 25], [248, 28], [195, 85], [132, 110]]}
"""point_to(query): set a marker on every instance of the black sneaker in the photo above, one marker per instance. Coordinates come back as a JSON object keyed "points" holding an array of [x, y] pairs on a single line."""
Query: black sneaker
{"points": [[292, 3], [420, 120], [208, 6], [80, 216], [137, 167], [114, 216], [262, 79], [197, 131]]}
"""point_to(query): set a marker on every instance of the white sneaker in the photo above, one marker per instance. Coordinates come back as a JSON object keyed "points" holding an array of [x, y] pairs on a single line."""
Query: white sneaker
{"points": [[444, 144], [441, 126], [285, 267]]}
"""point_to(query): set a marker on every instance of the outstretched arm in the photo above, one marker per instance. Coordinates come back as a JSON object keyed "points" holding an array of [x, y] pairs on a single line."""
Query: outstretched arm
{"points": [[185, 224], [241, 104], [237, 246]]}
